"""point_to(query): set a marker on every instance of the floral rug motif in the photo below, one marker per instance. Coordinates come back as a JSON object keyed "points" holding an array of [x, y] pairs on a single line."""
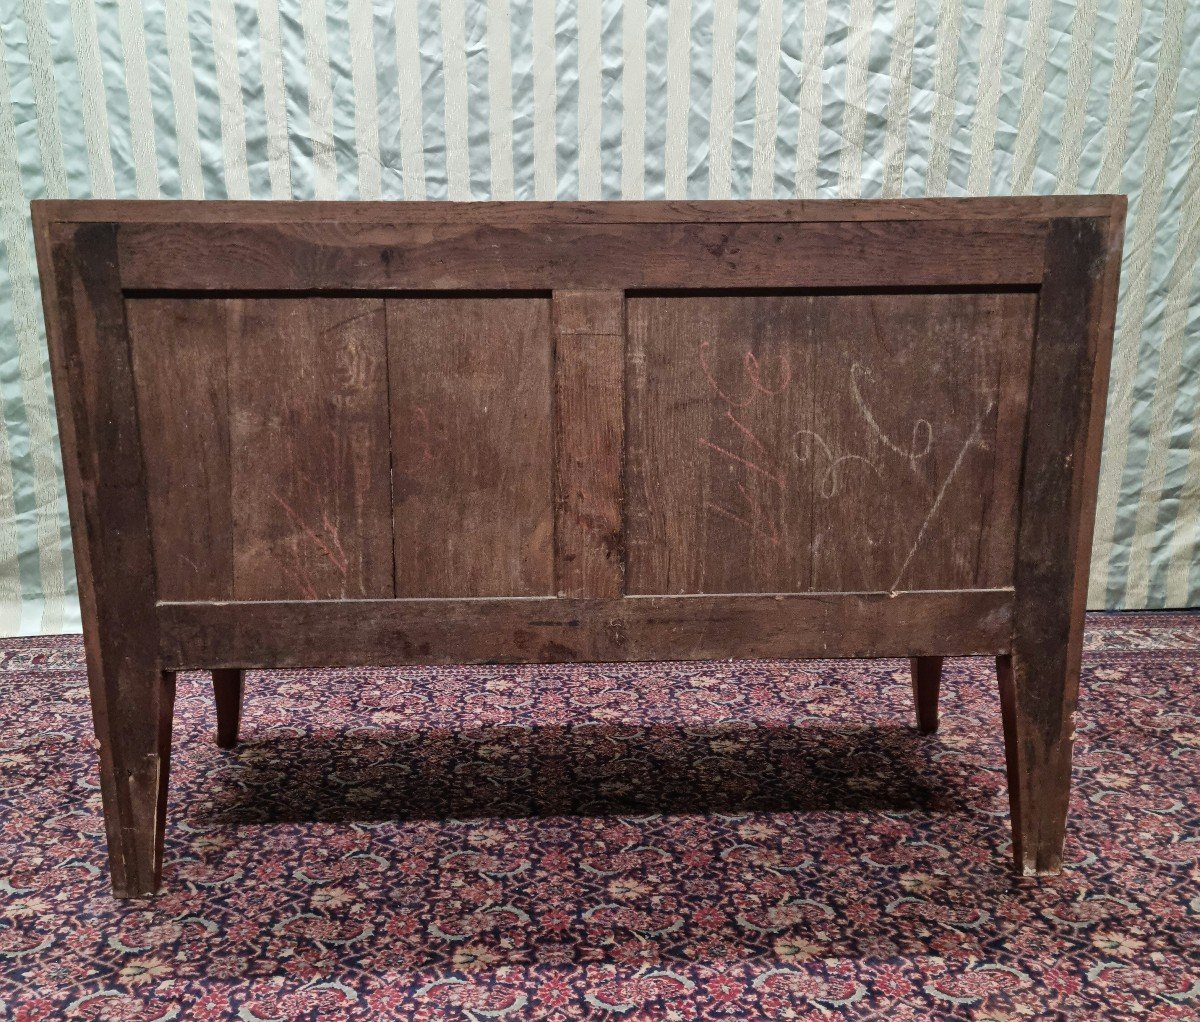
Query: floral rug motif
{"points": [[669, 841]]}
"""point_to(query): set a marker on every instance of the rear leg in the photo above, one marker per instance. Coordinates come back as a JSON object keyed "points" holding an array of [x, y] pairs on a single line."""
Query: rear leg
{"points": [[927, 683]]}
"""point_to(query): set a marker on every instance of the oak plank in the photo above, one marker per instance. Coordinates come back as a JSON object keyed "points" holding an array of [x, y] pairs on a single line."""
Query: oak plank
{"points": [[173, 211], [181, 379], [309, 427], [915, 444], [549, 630], [350, 633], [717, 500], [471, 398]]}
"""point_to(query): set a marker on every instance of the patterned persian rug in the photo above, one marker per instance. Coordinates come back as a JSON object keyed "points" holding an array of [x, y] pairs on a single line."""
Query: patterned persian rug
{"points": [[706, 841]]}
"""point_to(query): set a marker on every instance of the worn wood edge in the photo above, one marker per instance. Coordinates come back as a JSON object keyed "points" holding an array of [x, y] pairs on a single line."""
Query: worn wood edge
{"points": [[1047, 631], [1104, 326], [121, 640], [356, 633], [51, 288], [623, 211]]}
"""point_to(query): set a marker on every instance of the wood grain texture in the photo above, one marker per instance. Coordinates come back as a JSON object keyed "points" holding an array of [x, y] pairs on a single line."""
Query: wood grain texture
{"points": [[717, 395], [1039, 683], [825, 442], [551, 630], [179, 359], [311, 493], [471, 397], [327, 256], [589, 417], [915, 449], [132, 697]]}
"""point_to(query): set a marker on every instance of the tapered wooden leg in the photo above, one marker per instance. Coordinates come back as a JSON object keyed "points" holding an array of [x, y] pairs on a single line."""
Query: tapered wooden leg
{"points": [[927, 683], [132, 697], [133, 725], [1038, 707], [1039, 678], [228, 684]]}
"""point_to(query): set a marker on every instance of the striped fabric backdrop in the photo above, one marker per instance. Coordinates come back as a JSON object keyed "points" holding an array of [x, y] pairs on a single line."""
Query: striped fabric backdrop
{"points": [[503, 99]]}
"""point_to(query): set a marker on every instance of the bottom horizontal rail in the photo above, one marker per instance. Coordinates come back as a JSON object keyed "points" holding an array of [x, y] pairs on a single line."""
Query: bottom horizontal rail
{"points": [[359, 633]]}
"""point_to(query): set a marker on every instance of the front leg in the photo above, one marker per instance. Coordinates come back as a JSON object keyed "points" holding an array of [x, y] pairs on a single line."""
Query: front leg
{"points": [[132, 715], [132, 696], [1037, 703]]}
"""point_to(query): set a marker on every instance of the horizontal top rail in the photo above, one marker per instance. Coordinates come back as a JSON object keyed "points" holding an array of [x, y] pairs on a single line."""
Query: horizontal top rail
{"points": [[176, 211]]}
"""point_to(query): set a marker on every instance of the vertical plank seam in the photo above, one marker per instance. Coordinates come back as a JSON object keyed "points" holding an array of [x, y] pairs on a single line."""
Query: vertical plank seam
{"points": [[623, 449], [391, 438], [555, 448]]}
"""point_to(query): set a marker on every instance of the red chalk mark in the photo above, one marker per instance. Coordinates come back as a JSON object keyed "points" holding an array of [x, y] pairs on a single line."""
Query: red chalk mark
{"points": [[426, 429], [770, 533], [745, 430], [754, 371], [337, 540], [741, 461], [301, 580], [712, 380], [338, 559], [759, 521]]}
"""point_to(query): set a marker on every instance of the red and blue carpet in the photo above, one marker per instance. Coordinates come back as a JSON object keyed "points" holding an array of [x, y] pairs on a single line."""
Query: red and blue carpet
{"points": [[706, 841]]}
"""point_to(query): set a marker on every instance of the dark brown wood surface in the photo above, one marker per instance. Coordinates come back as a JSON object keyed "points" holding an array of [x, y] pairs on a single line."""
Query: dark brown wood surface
{"points": [[473, 256], [182, 381], [132, 696], [265, 425], [471, 398], [718, 398], [228, 691], [1040, 680], [323, 434], [589, 427], [825, 442], [322, 633], [1041, 208], [312, 497], [927, 685]]}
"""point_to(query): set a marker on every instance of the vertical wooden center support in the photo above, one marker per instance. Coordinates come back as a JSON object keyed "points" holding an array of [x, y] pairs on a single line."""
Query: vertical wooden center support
{"points": [[589, 442]]}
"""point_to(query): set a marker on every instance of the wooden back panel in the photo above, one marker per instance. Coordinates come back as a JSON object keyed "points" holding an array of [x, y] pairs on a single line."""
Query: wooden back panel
{"points": [[341, 448], [377, 433], [825, 442]]}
